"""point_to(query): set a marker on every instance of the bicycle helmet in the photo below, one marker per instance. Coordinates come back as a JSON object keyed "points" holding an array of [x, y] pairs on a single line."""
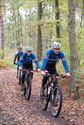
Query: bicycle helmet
{"points": [[56, 45], [19, 48], [28, 49]]}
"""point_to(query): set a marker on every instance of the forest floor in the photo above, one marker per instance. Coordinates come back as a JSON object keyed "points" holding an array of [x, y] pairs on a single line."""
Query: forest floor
{"points": [[15, 110]]}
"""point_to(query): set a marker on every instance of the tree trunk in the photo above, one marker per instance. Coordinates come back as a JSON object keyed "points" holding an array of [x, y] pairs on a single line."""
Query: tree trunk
{"points": [[39, 32], [73, 46], [19, 30], [57, 19], [82, 15], [17, 24], [14, 24], [1, 32]]}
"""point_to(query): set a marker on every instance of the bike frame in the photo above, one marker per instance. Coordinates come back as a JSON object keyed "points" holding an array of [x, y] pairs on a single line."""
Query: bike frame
{"points": [[52, 78]]}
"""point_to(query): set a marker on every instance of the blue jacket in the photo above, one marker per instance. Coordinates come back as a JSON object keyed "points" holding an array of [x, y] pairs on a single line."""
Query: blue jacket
{"points": [[51, 58], [17, 56], [28, 59]]}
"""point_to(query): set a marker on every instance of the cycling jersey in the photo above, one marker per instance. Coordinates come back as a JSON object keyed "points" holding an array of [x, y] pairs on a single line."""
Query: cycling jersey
{"points": [[50, 59], [26, 61], [17, 56]]}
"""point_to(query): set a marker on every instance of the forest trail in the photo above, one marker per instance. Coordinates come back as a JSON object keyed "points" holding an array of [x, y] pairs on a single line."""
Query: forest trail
{"points": [[15, 110]]}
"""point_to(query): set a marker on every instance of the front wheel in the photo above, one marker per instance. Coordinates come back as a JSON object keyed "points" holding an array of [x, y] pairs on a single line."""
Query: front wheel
{"points": [[44, 99], [27, 88], [56, 101]]}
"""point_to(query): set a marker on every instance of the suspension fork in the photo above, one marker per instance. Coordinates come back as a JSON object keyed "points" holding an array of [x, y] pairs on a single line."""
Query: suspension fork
{"points": [[55, 87]]}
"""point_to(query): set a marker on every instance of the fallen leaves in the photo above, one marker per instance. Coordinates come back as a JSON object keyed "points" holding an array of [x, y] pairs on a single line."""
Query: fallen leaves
{"points": [[17, 110]]}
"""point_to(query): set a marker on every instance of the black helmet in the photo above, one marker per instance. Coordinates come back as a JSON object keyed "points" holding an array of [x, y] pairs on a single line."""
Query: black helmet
{"points": [[19, 48]]}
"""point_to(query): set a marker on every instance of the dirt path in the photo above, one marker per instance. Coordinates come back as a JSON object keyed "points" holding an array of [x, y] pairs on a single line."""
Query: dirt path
{"points": [[15, 110]]}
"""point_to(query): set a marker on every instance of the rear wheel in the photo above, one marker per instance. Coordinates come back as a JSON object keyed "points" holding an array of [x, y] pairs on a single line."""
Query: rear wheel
{"points": [[17, 72], [27, 88], [20, 77], [56, 101], [20, 80]]}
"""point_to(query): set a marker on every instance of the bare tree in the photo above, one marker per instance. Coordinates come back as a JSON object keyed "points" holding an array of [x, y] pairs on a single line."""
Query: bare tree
{"points": [[73, 46], [39, 32], [57, 19], [82, 15], [1, 31]]}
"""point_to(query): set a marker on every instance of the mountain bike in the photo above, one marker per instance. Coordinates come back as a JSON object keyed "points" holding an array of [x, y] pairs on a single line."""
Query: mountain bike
{"points": [[27, 86], [17, 70], [52, 94], [19, 74]]}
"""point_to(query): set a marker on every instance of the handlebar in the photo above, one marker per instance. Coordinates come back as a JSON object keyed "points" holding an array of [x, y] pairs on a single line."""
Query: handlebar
{"points": [[62, 75], [58, 75], [16, 63], [29, 70]]}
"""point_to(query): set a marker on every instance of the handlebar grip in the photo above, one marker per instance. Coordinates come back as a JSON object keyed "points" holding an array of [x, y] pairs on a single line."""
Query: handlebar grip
{"points": [[15, 63], [47, 74], [64, 76]]}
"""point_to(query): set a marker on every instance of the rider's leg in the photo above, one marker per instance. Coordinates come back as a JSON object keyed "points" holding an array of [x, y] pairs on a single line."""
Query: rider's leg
{"points": [[23, 74], [23, 78], [44, 81], [32, 75], [31, 67]]}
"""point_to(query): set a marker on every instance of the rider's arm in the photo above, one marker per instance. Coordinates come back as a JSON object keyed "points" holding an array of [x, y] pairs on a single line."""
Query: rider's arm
{"points": [[64, 62], [21, 59], [15, 59], [36, 61], [45, 60]]}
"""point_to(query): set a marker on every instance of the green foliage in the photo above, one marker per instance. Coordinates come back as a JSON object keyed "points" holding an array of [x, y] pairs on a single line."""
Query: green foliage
{"points": [[63, 6], [28, 5], [22, 28], [80, 43], [5, 64]]}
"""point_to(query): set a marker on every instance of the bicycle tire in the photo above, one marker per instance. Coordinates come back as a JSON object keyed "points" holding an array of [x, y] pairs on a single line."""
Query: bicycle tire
{"points": [[19, 77], [54, 98], [20, 80], [27, 88], [45, 99]]}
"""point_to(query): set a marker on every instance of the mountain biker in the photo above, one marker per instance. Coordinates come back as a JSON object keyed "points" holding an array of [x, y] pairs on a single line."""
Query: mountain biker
{"points": [[26, 62], [49, 62], [18, 54]]}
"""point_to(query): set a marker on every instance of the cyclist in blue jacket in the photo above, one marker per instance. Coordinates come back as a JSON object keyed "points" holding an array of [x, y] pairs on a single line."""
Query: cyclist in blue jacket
{"points": [[18, 54], [49, 62], [26, 62]]}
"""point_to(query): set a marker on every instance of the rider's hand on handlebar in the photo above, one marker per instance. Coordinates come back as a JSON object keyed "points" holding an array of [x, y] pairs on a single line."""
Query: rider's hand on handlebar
{"points": [[20, 67], [68, 75], [38, 70], [43, 73], [15, 63]]}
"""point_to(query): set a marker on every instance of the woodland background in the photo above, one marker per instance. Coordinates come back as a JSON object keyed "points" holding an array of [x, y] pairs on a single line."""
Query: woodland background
{"points": [[38, 23]]}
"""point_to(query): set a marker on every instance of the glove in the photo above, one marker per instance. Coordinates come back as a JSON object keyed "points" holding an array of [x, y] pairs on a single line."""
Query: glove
{"points": [[38, 70], [43, 73], [14, 63], [20, 67], [67, 74]]}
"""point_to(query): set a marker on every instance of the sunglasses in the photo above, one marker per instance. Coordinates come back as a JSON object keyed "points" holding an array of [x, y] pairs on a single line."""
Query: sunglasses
{"points": [[56, 48], [28, 51]]}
